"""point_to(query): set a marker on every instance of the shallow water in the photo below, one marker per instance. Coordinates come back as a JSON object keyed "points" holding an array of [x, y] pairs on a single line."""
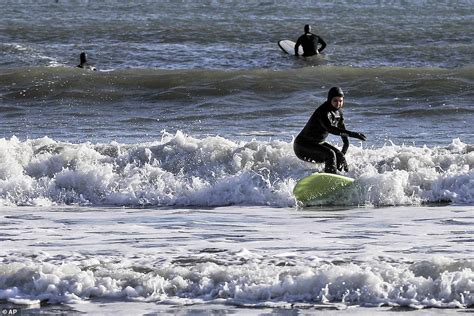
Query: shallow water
{"points": [[242, 257]]}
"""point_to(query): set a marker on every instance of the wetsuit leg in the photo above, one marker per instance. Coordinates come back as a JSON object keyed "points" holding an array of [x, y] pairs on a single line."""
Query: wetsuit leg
{"points": [[338, 153], [318, 153]]}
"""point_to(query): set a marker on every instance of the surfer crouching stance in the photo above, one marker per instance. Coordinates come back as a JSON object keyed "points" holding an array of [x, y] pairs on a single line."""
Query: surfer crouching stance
{"points": [[310, 144]]}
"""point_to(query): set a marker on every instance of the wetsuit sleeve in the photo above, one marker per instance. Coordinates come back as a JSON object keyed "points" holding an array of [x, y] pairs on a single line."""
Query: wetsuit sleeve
{"points": [[345, 138], [326, 124], [297, 45], [323, 45]]}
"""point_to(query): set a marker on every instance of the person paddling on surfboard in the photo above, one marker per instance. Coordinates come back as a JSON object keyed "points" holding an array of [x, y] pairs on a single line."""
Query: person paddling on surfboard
{"points": [[310, 144], [83, 62], [310, 42]]}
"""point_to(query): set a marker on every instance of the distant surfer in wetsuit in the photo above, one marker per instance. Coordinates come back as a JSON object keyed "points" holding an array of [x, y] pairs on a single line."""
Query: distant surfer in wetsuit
{"points": [[310, 144], [83, 62], [310, 42]]}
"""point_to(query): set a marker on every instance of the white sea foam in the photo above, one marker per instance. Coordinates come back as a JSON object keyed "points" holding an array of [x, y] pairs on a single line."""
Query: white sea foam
{"points": [[239, 256], [213, 171], [435, 283]]}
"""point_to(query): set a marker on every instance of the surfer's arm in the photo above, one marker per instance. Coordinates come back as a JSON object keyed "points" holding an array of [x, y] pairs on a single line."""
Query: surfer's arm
{"points": [[297, 45], [323, 45], [345, 146], [326, 124], [343, 132], [345, 139]]}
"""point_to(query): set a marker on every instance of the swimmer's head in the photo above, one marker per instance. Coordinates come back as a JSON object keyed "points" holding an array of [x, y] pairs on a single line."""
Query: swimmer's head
{"points": [[336, 97], [335, 92]]}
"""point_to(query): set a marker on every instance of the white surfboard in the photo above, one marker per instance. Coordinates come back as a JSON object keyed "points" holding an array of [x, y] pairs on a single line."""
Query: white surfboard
{"points": [[289, 47]]}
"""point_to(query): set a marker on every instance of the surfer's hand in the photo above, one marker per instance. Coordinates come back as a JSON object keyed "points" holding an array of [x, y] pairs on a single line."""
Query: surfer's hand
{"points": [[360, 136], [357, 135], [342, 164]]}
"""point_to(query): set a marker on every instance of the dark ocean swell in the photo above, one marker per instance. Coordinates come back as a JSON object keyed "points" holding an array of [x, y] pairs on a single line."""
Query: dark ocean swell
{"points": [[60, 83]]}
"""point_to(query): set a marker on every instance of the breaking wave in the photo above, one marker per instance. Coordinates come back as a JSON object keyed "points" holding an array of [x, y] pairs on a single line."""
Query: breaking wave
{"points": [[181, 170]]}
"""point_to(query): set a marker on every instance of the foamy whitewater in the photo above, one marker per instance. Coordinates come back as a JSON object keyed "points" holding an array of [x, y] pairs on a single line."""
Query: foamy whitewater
{"points": [[269, 258], [162, 183], [180, 170]]}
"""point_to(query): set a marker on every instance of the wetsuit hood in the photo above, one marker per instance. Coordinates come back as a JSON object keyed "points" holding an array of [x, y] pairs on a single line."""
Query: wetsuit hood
{"points": [[335, 92]]}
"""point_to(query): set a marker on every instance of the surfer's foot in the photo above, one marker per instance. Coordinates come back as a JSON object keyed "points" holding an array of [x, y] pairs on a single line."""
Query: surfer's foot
{"points": [[330, 170]]}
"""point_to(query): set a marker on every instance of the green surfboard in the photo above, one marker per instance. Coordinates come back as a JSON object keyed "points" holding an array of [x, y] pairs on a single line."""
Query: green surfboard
{"points": [[319, 186]]}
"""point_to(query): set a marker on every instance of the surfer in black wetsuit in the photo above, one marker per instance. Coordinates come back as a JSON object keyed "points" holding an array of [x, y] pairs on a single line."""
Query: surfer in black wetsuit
{"points": [[310, 143], [310, 42], [83, 62]]}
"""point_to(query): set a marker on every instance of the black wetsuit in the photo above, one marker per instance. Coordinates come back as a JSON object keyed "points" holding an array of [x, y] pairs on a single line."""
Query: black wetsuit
{"points": [[310, 42], [310, 143]]}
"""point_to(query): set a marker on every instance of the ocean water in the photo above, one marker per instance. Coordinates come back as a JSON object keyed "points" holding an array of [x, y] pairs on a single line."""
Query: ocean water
{"points": [[162, 183]]}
